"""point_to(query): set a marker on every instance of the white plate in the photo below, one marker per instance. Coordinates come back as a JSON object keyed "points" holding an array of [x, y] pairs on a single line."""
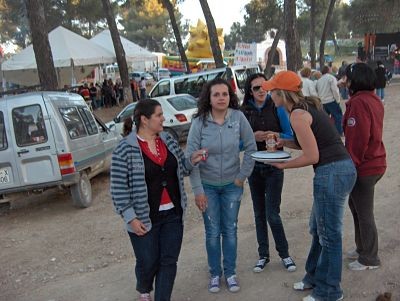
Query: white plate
{"points": [[264, 155], [271, 160]]}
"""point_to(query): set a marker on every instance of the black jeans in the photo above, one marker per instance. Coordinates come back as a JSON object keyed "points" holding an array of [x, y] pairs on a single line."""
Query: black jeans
{"points": [[157, 254], [266, 184], [361, 202]]}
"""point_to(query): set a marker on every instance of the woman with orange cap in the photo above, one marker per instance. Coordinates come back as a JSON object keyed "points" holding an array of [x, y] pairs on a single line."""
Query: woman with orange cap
{"points": [[334, 178]]}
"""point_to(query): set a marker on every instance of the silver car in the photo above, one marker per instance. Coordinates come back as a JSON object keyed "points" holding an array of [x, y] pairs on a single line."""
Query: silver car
{"points": [[52, 139], [178, 111]]}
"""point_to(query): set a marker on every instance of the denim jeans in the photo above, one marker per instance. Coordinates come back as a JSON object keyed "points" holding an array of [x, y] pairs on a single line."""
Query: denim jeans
{"points": [[381, 93], [332, 185], [266, 184], [157, 254], [344, 92], [334, 109], [220, 222]]}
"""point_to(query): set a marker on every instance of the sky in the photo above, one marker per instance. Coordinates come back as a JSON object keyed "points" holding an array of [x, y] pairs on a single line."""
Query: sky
{"points": [[225, 12]]}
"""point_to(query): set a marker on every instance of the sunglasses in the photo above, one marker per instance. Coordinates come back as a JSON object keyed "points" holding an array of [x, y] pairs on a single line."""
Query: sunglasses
{"points": [[351, 68], [256, 88]]}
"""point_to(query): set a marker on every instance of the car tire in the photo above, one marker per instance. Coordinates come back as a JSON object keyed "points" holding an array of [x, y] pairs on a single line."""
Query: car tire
{"points": [[172, 133], [82, 192]]}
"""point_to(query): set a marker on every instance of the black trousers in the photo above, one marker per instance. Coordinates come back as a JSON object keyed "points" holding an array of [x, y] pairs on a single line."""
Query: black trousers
{"points": [[361, 202]]}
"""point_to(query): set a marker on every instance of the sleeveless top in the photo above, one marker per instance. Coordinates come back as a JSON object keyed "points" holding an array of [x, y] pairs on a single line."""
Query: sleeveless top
{"points": [[330, 145]]}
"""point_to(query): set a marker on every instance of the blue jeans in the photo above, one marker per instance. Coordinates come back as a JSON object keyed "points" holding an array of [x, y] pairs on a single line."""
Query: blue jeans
{"points": [[266, 184], [334, 109], [332, 184], [157, 254], [344, 92], [220, 222], [381, 93]]}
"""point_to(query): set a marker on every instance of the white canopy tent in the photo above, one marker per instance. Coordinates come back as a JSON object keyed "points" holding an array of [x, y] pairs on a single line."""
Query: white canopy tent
{"points": [[74, 58], [134, 54]]}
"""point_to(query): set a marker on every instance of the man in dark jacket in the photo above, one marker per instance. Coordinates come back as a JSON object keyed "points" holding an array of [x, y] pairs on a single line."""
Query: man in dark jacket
{"points": [[380, 80]]}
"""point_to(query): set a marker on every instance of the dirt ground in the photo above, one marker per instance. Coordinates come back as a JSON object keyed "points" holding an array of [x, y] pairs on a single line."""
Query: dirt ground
{"points": [[51, 251]]}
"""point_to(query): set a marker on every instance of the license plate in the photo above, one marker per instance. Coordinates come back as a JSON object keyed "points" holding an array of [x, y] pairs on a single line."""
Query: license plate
{"points": [[5, 175]]}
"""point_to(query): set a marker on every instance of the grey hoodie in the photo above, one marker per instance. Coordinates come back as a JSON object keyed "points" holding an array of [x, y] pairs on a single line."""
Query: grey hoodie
{"points": [[223, 143]]}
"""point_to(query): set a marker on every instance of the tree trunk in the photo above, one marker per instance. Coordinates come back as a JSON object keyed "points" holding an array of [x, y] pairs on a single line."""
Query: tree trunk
{"points": [[337, 48], [324, 33], [170, 8], [271, 53], [212, 33], [119, 51], [41, 45], [290, 34], [299, 57], [312, 35]]}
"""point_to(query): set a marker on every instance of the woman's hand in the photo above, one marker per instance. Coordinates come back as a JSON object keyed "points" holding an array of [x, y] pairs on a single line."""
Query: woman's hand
{"points": [[260, 136], [238, 183], [271, 132], [199, 155], [138, 227], [201, 202], [280, 143]]}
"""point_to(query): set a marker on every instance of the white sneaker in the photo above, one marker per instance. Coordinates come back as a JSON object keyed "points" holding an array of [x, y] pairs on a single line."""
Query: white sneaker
{"points": [[213, 285], [353, 254], [232, 284], [145, 297], [357, 266], [301, 286], [289, 264], [260, 265]]}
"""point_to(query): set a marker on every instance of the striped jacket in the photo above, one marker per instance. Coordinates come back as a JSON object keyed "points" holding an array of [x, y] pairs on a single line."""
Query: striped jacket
{"points": [[128, 184]]}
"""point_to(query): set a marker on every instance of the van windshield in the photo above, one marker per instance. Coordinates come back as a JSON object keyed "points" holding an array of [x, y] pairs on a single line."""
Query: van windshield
{"points": [[242, 75], [194, 83]]}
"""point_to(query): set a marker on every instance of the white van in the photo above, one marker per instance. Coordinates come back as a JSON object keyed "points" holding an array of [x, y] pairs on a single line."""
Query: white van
{"points": [[111, 72], [51, 139], [162, 73], [193, 83]]}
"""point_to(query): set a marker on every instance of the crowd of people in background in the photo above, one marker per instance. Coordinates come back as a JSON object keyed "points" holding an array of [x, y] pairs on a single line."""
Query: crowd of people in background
{"points": [[109, 94]]}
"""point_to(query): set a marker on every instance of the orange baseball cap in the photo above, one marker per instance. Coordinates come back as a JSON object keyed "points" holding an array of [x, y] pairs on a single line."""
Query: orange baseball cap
{"points": [[284, 80]]}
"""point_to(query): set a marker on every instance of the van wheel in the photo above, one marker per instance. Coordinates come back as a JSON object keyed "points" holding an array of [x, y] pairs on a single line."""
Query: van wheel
{"points": [[172, 133], [82, 192]]}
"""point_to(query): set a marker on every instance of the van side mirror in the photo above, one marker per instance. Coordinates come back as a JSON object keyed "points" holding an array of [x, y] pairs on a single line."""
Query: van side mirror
{"points": [[117, 120]]}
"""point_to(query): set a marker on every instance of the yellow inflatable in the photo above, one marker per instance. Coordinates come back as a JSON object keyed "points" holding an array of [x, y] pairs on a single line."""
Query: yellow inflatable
{"points": [[199, 41]]}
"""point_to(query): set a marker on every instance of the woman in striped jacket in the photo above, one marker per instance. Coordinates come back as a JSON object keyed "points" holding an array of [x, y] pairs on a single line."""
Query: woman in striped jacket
{"points": [[147, 171]]}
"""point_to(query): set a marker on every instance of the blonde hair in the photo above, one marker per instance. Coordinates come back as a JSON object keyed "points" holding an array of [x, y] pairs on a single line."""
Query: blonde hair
{"points": [[299, 100], [316, 74], [305, 72]]}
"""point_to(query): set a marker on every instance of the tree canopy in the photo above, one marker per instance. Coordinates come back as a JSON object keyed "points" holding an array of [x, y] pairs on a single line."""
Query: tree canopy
{"points": [[354, 19], [146, 22]]}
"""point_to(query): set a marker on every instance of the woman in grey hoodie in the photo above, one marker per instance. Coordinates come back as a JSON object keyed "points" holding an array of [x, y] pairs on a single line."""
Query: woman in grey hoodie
{"points": [[221, 130]]}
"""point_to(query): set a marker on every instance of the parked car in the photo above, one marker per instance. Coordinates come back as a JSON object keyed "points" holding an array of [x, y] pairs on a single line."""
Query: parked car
{"points": [[178, 110], [162, 73], [193, 83], [137, 76], [52, 139]]}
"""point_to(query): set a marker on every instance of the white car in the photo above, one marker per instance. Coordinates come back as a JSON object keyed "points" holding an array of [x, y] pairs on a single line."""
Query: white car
{"points": [[178, 111]]}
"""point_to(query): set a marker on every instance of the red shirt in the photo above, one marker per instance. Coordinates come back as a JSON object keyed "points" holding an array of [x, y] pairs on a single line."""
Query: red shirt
{"points": [[159, 159], [363, 127], [85, 93]]}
